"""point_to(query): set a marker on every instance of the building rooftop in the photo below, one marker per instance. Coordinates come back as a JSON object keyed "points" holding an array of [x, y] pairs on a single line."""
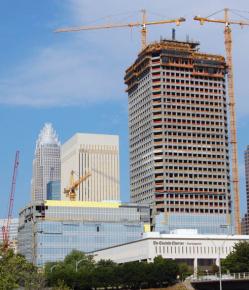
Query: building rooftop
{"points": [[47, 136]]}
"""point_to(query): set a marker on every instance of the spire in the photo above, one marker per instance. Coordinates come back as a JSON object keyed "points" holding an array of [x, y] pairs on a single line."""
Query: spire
{"points": [[47, 136]]}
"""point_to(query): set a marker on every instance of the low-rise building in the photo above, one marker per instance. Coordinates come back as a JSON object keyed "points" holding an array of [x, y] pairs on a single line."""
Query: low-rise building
{"points": [[54, 190], [183, 246], [13, 229], [50, 230]]}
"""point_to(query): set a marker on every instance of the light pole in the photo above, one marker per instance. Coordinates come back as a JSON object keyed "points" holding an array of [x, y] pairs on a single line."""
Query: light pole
{"points": [[219, 249], [77, 264], [51, 269], [219, 261]]}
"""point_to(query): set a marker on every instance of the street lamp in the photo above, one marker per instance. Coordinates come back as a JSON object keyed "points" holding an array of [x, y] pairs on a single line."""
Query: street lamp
{"points": [[219, 249], [51, 269], [77, 264]]}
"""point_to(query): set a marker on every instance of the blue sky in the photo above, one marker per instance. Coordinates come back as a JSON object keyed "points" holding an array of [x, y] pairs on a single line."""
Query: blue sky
{"points": [[75, 80]]}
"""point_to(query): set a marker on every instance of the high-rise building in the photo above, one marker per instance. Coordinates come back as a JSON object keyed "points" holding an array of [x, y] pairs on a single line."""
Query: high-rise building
{"points": [[47, 162], [245, 220], [95, 154], [178, 133], [58, 227]]}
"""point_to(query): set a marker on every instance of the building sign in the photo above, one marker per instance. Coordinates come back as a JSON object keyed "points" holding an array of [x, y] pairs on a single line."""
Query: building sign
{"points": [[176, 243]]}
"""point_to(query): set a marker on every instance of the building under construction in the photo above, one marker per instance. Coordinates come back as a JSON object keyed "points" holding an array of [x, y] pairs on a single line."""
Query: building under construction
{"points": [[245, 219], [178, 133], [50, 230]]}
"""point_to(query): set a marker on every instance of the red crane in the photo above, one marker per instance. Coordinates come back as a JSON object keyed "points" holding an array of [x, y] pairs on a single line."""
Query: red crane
{"points": [[6, 227]]}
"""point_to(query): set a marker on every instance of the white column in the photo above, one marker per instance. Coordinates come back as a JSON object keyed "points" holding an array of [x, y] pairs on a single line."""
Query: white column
{"points": [[195, 266]]}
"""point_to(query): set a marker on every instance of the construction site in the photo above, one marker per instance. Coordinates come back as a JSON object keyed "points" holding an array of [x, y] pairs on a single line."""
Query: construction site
{"points": [[183, 157]]}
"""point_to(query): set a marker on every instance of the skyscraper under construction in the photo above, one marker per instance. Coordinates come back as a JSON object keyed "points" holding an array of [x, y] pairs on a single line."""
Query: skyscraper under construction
{"points": [[178, 133], [245, 220]]}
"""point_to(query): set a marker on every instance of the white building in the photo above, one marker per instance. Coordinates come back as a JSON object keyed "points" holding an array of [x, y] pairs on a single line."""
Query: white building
{"points": [[194, 249], [47, 163], [98, 155]]}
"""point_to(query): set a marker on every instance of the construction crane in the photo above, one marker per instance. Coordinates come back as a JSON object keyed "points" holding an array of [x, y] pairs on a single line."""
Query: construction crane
{"points": [[233, 131], [6, 227], [143, 24], [70, 191]]}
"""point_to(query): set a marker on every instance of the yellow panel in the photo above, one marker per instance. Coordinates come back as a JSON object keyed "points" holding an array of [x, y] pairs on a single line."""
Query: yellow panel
{"points": [[146, 228], [81, 203]]}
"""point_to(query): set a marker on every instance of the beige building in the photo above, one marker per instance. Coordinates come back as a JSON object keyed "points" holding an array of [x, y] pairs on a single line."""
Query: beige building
{"points": [[98, 155]]}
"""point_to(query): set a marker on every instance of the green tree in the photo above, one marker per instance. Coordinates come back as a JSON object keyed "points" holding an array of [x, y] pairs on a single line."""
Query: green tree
{"points": [[238, 260], [163, 272], [214, 269], [61, 286], [107, 274], [15, 271], [133, 274], [104, 274], [66, 271], [184, 270]]}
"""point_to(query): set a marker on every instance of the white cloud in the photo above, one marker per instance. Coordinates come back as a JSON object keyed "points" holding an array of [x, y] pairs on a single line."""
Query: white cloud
{"points": [[59, 76], [85, 67]]}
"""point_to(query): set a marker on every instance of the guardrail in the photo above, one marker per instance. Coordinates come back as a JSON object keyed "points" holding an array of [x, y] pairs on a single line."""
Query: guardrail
{"points": [[229, 276]]}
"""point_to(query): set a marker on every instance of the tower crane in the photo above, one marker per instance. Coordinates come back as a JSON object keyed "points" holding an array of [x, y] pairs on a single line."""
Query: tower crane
{"points": [[6, 227], [143, 24], [70, 191], [233, 131]]}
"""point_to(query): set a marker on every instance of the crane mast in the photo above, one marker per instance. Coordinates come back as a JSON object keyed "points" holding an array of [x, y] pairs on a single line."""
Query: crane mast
{"points": [[233, 131], [6, 227], [233, 128], [70, 191], [143, 24]]}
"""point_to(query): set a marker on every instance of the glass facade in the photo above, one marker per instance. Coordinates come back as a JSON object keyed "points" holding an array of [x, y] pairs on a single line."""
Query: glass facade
{"points": [[12, 229], [54, 190], [204, 224], [48, 232]]}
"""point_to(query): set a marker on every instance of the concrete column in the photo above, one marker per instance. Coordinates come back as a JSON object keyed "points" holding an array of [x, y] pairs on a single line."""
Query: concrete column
{"points": [[195, 267]]}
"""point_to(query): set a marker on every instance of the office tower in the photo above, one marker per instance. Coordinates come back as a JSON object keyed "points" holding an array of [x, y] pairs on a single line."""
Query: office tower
{"points": [[58, 227], [47, 162], [178, 133], [97, 155], [245, 220]]}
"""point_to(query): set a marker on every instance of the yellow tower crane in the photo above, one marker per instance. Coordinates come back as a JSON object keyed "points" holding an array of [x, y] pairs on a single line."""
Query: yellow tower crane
{"points": [[233, 128], [143, 24], [70, 191]]}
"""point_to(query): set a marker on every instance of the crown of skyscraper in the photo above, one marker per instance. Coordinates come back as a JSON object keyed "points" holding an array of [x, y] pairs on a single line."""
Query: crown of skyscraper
{"points": [[47, 136]]}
